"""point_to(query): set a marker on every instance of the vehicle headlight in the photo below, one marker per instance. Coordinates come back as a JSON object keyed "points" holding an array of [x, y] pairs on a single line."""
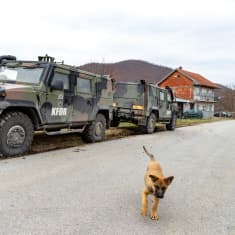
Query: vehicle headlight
{"points": [[2, 92]]}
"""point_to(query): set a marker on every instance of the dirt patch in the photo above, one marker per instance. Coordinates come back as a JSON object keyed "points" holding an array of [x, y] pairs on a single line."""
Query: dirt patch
{"points": [[43, 142]]}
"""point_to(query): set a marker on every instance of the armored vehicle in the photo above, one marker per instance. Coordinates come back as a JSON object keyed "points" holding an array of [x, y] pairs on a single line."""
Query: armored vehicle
{"points": [[53, 97], [144, 104]]}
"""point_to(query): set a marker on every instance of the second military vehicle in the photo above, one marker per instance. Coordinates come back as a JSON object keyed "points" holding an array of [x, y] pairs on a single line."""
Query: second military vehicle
{"points": [[50, 96], [144, 104]]}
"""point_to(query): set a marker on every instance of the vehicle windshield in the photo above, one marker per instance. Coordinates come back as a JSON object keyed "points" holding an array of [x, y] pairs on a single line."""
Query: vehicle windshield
{"points": [[20, 74], [130, 91]]}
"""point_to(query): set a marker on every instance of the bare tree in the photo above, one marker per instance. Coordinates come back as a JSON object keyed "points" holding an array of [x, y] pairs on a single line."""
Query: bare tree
{"points": [[231, 98], [225, 98]]}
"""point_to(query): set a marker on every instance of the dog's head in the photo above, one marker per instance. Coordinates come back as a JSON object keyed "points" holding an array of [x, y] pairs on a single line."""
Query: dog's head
{"points": [[160, 185]]}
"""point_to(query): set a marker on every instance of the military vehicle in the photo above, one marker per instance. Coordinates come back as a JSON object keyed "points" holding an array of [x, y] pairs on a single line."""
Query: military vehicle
{"points": [[144, 104], [53, 97]]}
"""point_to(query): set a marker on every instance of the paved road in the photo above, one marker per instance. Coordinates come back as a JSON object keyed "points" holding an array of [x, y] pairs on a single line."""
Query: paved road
{"points": [[97, 190]]}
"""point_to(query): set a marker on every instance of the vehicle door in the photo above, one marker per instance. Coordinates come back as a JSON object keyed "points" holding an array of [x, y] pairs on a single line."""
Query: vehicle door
{"points": [[169, 102], [162, 104], [153, 98], [84, 99], [57, 106]]}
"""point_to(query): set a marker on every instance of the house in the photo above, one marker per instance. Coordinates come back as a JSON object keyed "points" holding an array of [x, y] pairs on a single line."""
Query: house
{"points": [[192, 91]]}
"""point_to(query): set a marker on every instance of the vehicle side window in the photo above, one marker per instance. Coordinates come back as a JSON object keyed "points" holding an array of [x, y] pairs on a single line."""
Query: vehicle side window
{"points": [[169, 97], [84, 85], [162, 96], [61, 77], [152, 92]]}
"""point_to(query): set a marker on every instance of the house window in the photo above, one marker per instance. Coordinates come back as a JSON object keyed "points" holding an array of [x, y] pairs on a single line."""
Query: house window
{"points": [[186, 106], [207, 107], [210, 107], [197, 90], [200, 107], [203, 91], [210, 93]]}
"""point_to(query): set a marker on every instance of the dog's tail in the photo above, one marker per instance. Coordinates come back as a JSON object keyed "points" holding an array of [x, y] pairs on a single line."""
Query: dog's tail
{"points": [[149, 154]]}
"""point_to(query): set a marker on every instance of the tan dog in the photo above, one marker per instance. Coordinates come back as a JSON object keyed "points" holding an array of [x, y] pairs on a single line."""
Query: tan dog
{"points": [[155, 184]]}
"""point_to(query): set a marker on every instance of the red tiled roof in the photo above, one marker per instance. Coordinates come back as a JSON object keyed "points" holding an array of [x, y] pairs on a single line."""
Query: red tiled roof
{"points": [[198, 79]]}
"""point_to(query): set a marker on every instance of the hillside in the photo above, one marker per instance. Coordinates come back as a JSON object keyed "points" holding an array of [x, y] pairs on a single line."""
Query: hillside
{"points": [[129, 70], [225, 99], [134, 70]]}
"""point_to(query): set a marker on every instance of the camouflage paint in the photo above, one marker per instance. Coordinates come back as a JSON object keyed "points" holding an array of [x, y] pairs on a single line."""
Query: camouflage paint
{"points": [[57, 106], [141, 95]]}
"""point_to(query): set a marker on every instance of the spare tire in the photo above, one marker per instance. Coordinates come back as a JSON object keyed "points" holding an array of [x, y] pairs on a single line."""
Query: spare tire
{"points": [[7, 57]]}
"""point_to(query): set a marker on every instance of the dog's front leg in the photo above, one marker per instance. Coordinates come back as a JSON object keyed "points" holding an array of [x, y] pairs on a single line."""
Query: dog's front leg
{"points": [[154, 215], [144, 209]]}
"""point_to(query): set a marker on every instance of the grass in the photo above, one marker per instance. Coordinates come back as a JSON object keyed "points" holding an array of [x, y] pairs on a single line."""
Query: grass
{"points": [[191, 122], [43, 142], [179, 123]]}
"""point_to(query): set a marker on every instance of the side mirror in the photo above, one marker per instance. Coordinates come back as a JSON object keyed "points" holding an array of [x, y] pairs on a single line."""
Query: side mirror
{"points": [[57, 85]]}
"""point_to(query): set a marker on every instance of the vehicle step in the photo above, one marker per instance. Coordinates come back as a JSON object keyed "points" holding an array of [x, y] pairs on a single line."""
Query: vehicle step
{"points": [[63, 132]]}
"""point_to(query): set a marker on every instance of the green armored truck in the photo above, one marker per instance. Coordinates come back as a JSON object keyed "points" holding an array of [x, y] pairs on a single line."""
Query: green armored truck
{"points": [[144, 104], [53, 97]]}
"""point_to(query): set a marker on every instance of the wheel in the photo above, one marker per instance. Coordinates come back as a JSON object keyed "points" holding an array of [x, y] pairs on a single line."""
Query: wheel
{"points": [[95, 131], [16, 133], [151, 124], [171, 126]]}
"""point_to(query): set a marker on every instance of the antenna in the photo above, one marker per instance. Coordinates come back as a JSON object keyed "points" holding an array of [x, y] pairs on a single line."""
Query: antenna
{"points": [[46, 58]]}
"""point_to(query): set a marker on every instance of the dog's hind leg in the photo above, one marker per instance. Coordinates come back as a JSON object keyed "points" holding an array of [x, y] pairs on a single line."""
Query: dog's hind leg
{"points": [[154, 215], [144, 209]]}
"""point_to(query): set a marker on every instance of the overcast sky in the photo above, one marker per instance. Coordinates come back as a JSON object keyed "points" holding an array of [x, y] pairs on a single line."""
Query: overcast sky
{"points": [[197, 35]]}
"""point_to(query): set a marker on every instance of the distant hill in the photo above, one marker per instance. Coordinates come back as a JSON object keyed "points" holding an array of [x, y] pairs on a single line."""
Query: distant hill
{"points": [[135, 70], [129, 70]]}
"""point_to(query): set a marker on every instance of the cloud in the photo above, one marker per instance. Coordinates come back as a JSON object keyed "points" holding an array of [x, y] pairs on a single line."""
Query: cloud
{"points": [[195, 34]]}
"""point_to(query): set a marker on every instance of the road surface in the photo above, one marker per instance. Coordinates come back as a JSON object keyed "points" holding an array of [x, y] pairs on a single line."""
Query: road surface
{"points": [[96, 188]]}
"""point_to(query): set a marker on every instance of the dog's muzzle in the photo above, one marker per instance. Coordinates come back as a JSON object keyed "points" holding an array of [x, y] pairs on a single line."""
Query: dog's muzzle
{"points": [[159, 195]]}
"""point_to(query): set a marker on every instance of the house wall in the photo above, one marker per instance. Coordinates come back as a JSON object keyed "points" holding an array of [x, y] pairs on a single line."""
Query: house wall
{"points": [[204, 100], [206, 108], [182, 86]]}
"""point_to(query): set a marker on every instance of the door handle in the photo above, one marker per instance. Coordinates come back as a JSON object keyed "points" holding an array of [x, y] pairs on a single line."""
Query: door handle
{"points": [[89, 102]]}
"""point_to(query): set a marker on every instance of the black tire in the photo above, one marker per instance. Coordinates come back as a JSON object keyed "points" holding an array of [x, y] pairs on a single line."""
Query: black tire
{"points": [[95, 131], [16, 133], [171, 126], [151, 124]]}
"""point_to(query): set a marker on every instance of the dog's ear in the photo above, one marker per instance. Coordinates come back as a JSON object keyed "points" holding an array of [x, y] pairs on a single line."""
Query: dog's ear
{"points": [[153, 178], [168, 180]]}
